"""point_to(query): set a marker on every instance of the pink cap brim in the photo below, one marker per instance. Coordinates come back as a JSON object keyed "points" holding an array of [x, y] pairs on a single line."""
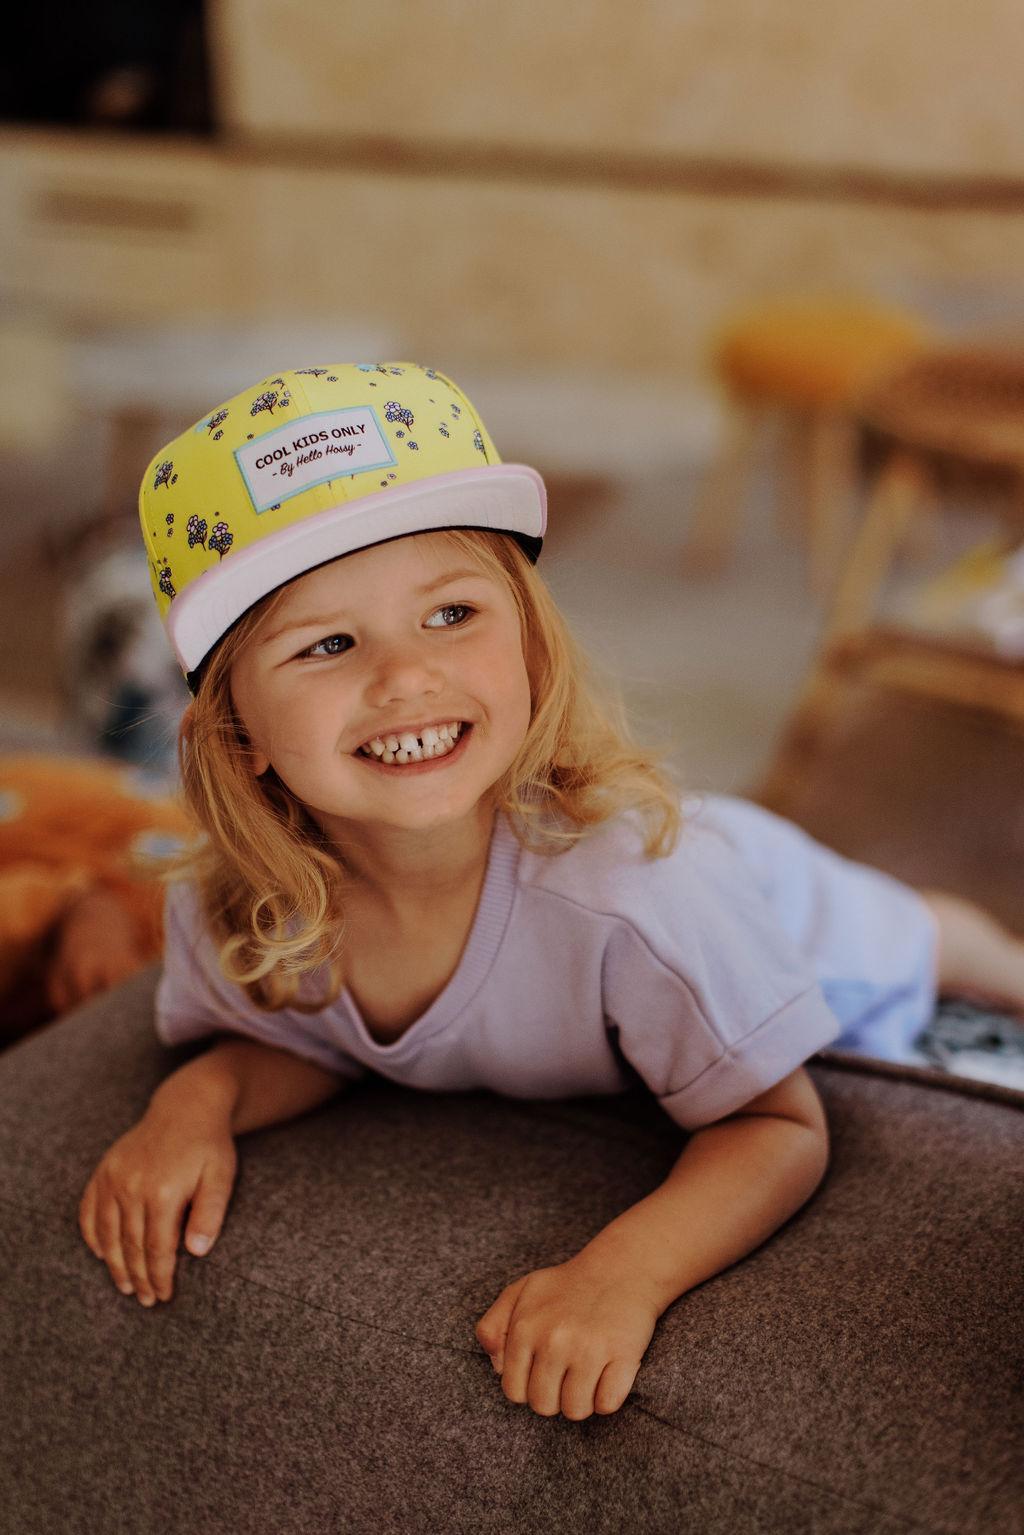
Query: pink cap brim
{"points": [[508, 498]]}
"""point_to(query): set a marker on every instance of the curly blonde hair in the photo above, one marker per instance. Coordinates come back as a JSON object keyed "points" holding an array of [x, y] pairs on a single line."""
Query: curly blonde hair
{"points": [[272, 886]]}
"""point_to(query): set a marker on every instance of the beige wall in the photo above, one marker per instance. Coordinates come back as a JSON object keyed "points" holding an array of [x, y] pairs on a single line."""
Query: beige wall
{"points": [[509, 273], [903, 85], [526, 260], [513, 273]]}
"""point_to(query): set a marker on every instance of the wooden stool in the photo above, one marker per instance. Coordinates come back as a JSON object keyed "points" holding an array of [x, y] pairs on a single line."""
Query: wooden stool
{"points": [[810, 361], [951, 419]]}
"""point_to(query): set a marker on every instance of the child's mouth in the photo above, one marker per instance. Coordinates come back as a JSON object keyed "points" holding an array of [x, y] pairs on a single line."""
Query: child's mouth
{"points": [[413, 766]]}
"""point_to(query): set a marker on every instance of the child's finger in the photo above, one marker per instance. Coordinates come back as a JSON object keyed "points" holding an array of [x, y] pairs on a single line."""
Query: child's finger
{"points": [[209, 1207], [544, 1388], [163, 1225], [615, 1385], [492, 1328], [515, 1379], [108, 1229], [133, 1245], [578, 1389], [87, 1219]]}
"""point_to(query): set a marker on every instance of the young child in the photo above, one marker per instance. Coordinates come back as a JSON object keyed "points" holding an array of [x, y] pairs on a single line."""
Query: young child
{"points": [[433, 852]]}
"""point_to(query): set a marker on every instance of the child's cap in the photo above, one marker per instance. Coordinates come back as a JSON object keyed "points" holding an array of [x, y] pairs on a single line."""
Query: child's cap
{"points": [[310, 465]]}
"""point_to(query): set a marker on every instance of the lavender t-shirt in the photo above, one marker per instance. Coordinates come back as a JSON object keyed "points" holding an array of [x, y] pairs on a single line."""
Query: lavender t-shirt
{"points": [[702, 972]]}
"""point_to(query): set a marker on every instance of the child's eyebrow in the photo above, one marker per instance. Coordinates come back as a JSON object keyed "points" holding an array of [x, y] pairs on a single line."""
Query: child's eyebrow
{"points": [[314, 621]]}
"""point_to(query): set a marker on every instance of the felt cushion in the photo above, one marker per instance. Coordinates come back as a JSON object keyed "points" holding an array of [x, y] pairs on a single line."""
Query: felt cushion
{"points": [[814, 354], [318, 1370]]}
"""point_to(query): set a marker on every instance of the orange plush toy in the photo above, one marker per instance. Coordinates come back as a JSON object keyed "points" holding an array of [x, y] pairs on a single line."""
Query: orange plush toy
{"points": [[81, 842]]}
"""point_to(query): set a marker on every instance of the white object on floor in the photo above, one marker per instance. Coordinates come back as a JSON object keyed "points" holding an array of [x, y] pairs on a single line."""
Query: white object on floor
{"points": [[983, 1066]]}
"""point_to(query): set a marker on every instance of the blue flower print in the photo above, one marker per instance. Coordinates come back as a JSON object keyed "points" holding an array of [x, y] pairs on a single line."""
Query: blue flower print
{"points": [[196, 532], [221, 538], [393, 411]]}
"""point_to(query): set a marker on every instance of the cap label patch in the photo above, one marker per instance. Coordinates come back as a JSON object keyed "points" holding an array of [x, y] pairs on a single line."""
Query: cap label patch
{"points": [[311, 450]]}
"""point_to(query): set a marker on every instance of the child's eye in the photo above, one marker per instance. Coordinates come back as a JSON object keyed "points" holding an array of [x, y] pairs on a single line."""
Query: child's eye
{"points": [[331, 646], [455, 607], [337, 644]]}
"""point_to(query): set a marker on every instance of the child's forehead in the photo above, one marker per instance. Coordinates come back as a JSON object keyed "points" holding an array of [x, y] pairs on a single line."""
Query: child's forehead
{"points": [[411, 562]]}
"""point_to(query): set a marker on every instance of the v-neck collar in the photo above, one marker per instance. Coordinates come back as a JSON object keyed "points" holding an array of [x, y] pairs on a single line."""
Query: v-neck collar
{"points": [[489, 923]]}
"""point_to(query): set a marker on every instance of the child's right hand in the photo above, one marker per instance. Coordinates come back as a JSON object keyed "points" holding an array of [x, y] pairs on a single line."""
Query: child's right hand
{"points": [[131, 1212]]}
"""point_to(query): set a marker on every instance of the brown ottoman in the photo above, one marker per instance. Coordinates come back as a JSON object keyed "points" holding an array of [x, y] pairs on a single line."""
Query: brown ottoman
{"points": [[860, 1374]]}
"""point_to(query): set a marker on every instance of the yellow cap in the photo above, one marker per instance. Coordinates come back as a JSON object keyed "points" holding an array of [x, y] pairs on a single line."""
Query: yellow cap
{"points": [[308, 466]]}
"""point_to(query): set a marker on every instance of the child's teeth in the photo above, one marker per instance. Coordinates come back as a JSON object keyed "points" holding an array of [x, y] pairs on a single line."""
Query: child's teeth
{"points": [[437, 742]]}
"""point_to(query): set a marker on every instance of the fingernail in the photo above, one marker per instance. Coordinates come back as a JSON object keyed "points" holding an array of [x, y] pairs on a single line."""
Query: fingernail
{"points": [[126, 1288], [148, 1300], [199, 1245]]}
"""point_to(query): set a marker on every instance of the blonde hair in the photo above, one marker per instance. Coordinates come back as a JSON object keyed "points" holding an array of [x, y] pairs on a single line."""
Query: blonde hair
{"points": [[270, 883]]}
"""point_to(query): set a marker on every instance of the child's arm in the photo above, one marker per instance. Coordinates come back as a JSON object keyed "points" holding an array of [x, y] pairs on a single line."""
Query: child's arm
{"points": [[182, 1152], [253, 1084], [736, 1182], [572, 1337]]}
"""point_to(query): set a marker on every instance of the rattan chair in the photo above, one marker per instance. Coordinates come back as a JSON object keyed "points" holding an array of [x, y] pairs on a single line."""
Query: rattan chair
{"points": [[948, 423]]}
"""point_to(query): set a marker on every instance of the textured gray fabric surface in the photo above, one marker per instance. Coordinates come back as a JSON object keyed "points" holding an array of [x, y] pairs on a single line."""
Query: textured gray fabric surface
{"points": [[859, 1375]]}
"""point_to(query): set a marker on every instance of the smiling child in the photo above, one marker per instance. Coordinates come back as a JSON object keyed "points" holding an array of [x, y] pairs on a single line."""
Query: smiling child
{"points": [[432, 850]]}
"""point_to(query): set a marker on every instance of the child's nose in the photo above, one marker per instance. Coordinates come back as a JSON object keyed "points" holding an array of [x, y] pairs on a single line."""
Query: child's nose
{"points": [[405, 670]]}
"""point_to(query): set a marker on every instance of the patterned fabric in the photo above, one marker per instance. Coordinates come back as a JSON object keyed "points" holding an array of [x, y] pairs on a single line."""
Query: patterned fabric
{"points": [[310, 465]]}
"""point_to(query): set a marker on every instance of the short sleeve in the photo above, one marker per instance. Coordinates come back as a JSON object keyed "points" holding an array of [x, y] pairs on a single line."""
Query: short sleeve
{"points": [[193, 998], [712, 1002]]}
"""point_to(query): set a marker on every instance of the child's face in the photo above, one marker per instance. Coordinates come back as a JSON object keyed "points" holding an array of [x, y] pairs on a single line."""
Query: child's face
{"points": [[357, 649]]}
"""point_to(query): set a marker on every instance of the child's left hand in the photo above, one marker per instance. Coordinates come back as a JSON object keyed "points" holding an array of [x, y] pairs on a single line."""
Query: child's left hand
{"points": [[571, 1337]]}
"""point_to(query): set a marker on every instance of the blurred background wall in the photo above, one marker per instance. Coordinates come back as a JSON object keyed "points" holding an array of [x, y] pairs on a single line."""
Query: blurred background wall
{"points": [[587, 185], [560, 206]]}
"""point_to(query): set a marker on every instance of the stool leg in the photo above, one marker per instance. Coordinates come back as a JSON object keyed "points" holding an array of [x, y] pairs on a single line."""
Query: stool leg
{"points": [[900, 490], [897, 495], [831, 478], [712, 533]]}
